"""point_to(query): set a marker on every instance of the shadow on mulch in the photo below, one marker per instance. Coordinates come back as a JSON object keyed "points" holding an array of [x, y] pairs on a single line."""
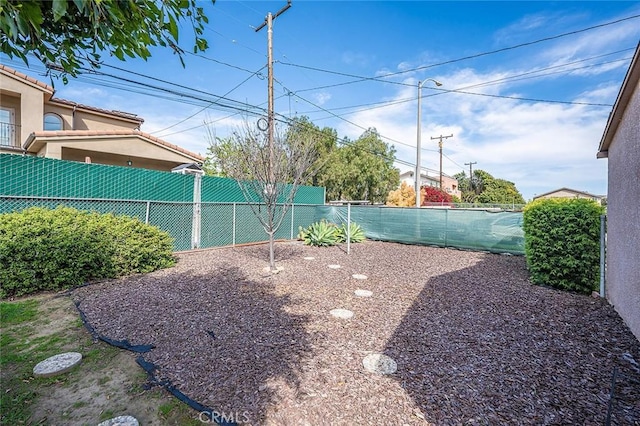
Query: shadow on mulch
{"points": [[231, 348], [475, 348]]}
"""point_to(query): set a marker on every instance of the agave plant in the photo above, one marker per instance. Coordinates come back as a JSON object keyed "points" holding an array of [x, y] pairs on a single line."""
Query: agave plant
{"points": [[320, 233], [356, 233]]}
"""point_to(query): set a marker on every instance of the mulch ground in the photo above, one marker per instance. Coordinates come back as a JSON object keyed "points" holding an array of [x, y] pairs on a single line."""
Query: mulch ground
{"points": [[475, 343]]}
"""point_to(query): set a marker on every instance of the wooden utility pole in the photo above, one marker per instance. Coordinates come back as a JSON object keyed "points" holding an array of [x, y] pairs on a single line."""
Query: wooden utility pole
{"points": [[440, 146], [268, 22], [470, 164]]}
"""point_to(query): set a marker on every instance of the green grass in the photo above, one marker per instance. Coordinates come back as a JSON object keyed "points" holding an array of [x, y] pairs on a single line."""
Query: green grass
{"points": [[17, 312]]}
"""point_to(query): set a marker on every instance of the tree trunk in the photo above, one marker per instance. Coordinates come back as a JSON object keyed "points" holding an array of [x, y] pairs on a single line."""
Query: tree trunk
{"points": [[272, 260]]}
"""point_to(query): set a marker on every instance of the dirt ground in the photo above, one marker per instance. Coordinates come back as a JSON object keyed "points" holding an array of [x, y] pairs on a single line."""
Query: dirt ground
{"points": [[474, 341]]}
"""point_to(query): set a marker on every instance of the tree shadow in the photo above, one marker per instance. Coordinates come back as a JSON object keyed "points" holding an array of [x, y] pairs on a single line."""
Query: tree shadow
{"points": [[221, 338], [483, 346]]}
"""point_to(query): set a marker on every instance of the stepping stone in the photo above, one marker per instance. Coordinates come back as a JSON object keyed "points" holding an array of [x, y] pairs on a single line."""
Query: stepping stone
{"points": [[359, 276], [121, 421], [379, 363], [57, 364], [341, 313], [309, 258], [363, 293], [335, 266]]}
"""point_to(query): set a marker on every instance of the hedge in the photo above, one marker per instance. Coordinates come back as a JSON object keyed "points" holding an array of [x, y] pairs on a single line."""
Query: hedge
{"points": [[45, 249], [562, 243]]}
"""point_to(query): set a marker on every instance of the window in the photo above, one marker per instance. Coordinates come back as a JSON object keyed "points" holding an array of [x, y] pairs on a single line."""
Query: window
{"points": [[7, 126], [52, 122]]}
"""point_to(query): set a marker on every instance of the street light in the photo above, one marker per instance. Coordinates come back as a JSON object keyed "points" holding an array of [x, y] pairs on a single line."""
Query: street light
{"points": [[418, 159]]}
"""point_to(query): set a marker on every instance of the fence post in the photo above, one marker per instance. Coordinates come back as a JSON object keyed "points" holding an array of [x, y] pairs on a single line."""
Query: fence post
{"points": [[348, 228], [603, 243], [196, 220], [146, 214], [292, 207], [233, 235]]}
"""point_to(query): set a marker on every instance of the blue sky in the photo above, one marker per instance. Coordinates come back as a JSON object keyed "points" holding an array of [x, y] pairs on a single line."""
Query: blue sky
{"points": [[533, 112]]}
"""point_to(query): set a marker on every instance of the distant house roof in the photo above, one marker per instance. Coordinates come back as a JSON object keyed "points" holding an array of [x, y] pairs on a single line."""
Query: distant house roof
{"points": [[629, 84], [122, 132], [574, 191], [119, 114]]}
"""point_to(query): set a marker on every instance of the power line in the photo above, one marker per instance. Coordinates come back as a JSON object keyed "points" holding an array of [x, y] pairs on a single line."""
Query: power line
{"points": [[474, 56]]}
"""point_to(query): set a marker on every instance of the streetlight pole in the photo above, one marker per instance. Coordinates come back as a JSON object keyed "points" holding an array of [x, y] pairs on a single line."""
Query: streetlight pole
{"points": [[419, 139]]}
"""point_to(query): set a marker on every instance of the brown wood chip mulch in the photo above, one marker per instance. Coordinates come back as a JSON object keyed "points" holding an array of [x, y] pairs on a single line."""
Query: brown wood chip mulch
{"points": [[474, 342]]}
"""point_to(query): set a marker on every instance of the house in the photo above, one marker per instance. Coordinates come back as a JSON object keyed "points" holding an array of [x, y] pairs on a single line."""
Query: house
{"points": [[449, 184], [620, 143], [34, 122], [570, 193]]}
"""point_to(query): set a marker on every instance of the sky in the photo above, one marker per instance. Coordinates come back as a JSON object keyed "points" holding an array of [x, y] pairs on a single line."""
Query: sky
{"points": [[526, 91]]}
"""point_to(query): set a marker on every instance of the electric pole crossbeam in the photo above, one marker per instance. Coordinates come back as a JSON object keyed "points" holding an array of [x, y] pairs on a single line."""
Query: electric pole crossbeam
{"points": [[440, 146]]}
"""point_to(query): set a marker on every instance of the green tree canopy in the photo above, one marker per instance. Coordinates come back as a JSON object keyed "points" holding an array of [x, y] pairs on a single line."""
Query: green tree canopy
{"points": [[73, 34], [484, 188], [324, 140], [361, 170]]}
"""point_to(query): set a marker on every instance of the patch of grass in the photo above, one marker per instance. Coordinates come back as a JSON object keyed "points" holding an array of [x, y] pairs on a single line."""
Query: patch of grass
{"points": [[165, 409], [106, 415], [18, 312]]}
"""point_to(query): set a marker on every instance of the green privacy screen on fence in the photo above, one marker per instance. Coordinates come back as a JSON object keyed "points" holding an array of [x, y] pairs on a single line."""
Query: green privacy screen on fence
{"points": [[498, 232], [44, 177]]}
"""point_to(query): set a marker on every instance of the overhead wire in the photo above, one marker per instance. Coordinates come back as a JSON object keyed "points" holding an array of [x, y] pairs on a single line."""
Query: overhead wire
{"points": [[451, 61]]}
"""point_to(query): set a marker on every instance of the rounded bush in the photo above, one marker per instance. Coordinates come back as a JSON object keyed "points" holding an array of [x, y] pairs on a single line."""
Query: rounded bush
{"points": [[562, 243], [44, 249]]}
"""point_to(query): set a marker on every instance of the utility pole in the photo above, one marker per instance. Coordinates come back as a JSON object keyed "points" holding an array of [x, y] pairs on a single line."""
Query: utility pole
{"points": [[268, 22], [440, 146], [470, 164]]}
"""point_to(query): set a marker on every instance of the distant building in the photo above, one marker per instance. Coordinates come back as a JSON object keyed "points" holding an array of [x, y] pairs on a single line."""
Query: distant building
{"points": [[449, 184], [570, 193], [620, 144]]}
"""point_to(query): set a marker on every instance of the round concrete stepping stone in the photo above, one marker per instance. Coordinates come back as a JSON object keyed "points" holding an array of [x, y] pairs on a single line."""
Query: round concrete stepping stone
{"points": [[379, 363], [363, 293], [341, 313], [334, 266], [309, 258], [121, 421], [359, 276], [57, 364]]}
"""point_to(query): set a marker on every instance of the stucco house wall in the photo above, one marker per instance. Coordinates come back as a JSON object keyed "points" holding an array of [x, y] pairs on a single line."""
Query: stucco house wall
{"points": [[88, 133], [621, 144]]}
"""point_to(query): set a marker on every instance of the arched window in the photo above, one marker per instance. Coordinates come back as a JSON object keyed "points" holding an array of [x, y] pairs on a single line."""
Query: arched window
{"points": [[52, 122]]}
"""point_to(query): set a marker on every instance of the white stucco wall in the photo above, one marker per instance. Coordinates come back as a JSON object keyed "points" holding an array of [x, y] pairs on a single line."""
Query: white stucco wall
{"points": [[623, 217]]}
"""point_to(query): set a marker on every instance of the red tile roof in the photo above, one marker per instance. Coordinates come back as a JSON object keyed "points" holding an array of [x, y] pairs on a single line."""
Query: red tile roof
{"points": [[119, 114], [25, 77], [125, 132]]}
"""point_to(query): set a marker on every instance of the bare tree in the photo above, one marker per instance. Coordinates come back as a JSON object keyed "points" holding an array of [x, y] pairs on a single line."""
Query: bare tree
{"points": [[268, 175]]}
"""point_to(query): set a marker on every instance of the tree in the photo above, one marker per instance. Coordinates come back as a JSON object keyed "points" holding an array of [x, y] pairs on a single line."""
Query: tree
{"points": [[431, 194], [405, 196], [268, 176], [484, 188], [361, 170], [72, 34], [325, 141]]}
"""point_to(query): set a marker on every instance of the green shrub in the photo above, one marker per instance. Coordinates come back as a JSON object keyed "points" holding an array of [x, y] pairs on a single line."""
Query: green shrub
{"points": [[356, 233], [44, 249], [562, 243]]}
